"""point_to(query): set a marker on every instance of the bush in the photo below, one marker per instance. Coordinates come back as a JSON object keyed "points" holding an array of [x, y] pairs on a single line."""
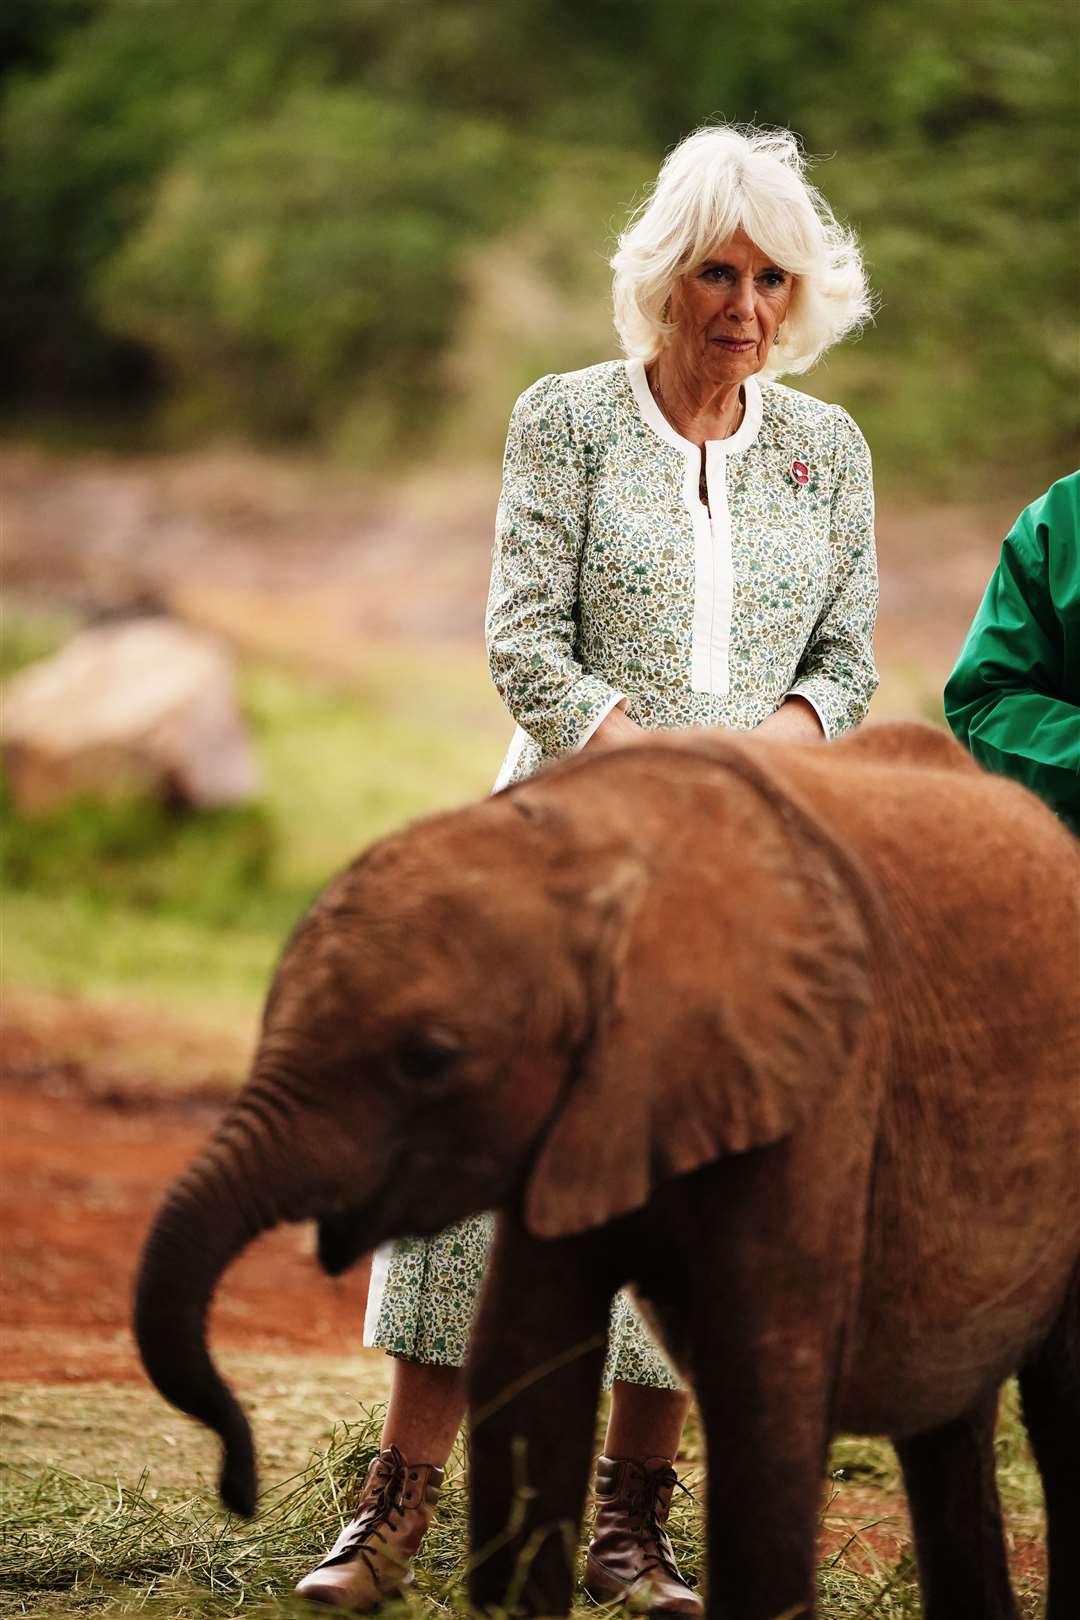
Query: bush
{"points": [[291, 266]]}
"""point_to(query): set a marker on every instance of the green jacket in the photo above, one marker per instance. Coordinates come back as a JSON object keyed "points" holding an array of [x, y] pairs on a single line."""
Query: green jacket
{"points": [[1014, 696]]}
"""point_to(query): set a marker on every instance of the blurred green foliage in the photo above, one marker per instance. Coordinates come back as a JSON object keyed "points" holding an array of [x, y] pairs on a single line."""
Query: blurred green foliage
{"points": [[212, 867], [282, 273], [267, 217]]}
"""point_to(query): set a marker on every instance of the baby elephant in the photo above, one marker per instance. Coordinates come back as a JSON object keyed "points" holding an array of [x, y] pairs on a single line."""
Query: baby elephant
{"points": [[785, 1037]]}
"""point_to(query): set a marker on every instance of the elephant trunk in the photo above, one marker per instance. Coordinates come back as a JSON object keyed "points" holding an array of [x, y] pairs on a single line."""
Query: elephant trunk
{"points": [[210, 1214]]}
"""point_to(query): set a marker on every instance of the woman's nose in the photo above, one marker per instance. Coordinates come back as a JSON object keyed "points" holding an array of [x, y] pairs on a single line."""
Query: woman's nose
{"points": [[740, 305]]}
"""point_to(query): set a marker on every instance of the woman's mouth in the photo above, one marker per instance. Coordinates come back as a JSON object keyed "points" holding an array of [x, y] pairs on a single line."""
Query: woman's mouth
{"points": [[734, 345]]}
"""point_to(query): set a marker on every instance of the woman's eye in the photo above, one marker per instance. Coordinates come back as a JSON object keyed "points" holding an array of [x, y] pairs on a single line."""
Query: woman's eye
{"points": [[775, 278]]}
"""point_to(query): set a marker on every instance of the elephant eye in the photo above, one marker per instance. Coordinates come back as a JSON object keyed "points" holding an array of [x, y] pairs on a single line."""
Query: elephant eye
{"points": [[423, 1058]]}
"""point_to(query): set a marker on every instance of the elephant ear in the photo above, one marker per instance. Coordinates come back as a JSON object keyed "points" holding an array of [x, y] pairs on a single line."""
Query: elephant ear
{"points": [[729, 990]]}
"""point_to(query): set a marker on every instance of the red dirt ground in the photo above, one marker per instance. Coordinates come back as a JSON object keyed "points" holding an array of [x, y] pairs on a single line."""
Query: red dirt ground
{"points": [[85, 1165]]}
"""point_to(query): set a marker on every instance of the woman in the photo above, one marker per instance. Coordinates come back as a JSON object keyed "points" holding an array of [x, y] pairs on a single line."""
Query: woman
{"points": [[680, 542]]}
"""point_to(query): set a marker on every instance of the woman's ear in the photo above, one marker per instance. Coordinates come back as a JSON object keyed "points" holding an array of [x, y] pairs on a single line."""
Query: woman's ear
{"points": [[730, 980]]}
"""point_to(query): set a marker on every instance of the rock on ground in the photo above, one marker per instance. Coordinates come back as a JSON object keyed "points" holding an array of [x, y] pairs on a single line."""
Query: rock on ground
{"points": [[143, 706]]}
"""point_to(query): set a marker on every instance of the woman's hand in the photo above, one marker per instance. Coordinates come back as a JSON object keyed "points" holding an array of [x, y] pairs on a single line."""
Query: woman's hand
{"points": [[615, 730], [794, 721]]}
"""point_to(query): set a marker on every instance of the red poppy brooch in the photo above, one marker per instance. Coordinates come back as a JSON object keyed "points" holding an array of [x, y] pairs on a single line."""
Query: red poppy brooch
{"points": [[800, 472]]}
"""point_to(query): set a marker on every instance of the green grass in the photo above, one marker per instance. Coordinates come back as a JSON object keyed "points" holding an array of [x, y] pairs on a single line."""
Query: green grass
{"points": [[69, 943], [26, 635]]}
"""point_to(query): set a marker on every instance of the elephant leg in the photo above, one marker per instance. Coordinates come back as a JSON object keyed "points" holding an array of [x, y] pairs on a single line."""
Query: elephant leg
{"points": [[956, 1514], [1050, 1390], [534, 1373], [749, 1287], [766, 1462], [761, 1360]]}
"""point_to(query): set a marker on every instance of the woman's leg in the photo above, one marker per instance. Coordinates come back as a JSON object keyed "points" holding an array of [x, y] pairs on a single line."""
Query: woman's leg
{"points": [[371, 1560], [420, 1308], [630, 1555], [425, 1410], [645, 1422]]}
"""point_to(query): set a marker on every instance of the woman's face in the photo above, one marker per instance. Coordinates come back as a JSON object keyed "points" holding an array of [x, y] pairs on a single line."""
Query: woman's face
{"points": [[727, 310]]}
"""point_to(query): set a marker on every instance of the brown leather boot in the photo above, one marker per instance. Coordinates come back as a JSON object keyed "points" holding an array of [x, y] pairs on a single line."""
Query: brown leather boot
{"points": [[630, 1555], [371, 1560]]}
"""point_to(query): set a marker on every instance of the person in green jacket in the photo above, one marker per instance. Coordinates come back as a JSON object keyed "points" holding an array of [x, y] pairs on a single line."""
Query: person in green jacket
{"points": [[1014, 697]]}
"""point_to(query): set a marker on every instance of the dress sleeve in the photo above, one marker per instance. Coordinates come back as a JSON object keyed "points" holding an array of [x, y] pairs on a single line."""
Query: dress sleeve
{"points": [[1005, 698], [531, 621], [836, 674]]}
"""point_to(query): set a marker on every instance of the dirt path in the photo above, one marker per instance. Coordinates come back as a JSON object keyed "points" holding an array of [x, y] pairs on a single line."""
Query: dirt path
{"points": [[85, 1164]]}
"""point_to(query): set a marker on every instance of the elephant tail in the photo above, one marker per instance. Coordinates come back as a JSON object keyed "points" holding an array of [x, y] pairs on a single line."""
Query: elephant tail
{"points": [[209, 1215]]}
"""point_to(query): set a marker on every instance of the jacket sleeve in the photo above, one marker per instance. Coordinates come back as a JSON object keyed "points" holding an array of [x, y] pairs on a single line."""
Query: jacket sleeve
{"points": [[836, 673], [1006, 699], [532, 604]]}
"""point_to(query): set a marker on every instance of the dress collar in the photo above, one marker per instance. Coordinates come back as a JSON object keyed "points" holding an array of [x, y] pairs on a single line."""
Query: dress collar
{"points": [[654, 417]]}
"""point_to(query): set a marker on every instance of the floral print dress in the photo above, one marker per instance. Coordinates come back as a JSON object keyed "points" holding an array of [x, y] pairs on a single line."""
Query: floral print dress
{"points": [[612, 579]]}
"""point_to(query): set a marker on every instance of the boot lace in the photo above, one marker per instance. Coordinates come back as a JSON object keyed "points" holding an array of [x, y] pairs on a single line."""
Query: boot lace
{"points": [[646, 1513], [383, 1507]]}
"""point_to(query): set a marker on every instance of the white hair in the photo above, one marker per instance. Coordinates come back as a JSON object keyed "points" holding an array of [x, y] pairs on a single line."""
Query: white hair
{"points": [[718, 180]]}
